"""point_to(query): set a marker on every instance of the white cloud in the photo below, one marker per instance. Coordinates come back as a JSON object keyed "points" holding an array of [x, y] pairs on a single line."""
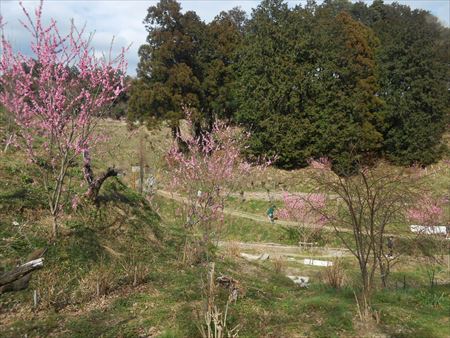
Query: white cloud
{"points": [[123, 19]]}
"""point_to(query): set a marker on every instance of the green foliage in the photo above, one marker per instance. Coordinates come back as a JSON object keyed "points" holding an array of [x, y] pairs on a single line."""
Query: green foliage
{"points": [[348, 81], [186, 62], [169, 70], [224, 41], [308, 85], [413, 80], [271, 85]]}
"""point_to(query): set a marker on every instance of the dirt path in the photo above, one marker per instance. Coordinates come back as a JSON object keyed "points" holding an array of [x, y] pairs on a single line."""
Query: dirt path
{"points": [[269, 196], [247, 215], [263, 219], [291, 257], [275, 249]]}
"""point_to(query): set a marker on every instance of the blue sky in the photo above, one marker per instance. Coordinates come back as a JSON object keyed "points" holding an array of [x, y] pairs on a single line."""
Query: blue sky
{"points": [[123, 19]]}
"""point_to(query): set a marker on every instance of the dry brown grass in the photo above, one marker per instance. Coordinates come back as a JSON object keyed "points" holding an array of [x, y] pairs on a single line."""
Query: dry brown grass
{"points": [[334, 275], [53, 289], [99, 281], [233, 249], [279, 265], [123, 146], [135, 273]]}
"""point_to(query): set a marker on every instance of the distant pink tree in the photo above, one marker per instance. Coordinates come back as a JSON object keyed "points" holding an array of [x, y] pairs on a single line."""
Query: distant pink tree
{"points": [[306, 211], [427, 211], [56, 97], [205, 173], [322, 163]]}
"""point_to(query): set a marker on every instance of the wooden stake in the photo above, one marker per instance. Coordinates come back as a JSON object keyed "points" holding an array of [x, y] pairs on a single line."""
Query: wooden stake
{"points": [[35, 299]]}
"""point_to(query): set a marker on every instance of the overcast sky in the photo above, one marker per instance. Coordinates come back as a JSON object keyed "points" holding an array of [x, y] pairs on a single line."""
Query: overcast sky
{"points": [[123, 19]]}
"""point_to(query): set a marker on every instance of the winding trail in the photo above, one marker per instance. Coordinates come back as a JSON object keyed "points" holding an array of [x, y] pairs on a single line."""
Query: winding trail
{"points": [[270, 196], [247, 215], [263, 219], [275, 249]]}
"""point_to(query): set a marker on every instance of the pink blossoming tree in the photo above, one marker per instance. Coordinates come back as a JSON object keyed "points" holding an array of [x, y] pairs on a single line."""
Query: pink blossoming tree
{"points": [[302, 209], [429, 214], [205, 173], [427, 211], [56, 97]]}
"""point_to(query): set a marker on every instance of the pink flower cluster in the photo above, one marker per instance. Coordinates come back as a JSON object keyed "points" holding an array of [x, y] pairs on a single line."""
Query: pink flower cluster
{"points": [[303, 209], [428, 211], [307, 211], [322, 163], [213, 160], [208, 170], [56, 94]]}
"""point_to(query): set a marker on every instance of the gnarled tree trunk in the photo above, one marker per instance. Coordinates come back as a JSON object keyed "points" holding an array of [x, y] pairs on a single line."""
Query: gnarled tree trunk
{"points": [[94, 184]]}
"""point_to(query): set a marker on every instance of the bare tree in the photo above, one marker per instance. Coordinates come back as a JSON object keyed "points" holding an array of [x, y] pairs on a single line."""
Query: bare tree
{"points": [[371, 204]]}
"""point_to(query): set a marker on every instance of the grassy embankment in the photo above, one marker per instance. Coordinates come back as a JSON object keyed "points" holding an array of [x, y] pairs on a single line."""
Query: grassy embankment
{"points": [[117, 271]]}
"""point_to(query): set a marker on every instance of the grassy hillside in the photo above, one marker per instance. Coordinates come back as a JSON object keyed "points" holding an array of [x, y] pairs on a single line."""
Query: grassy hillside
{"points": [[117, 270]]}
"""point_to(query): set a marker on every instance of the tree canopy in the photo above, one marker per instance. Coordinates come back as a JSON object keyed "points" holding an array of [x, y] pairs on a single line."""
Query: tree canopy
{"points": [[349, 81], [185, 63]]}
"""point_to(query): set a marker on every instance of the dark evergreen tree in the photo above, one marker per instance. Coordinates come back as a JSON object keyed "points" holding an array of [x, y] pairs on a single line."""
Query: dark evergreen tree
{"points": [[186, 63], [221, 52], [308, 85], [348, 81], [271, 84], [414, 64], [170, 70], [343, 103]]}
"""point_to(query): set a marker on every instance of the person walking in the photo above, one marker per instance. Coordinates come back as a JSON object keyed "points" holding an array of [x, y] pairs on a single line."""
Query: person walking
{"points": [[390, 245], [270, 214]]}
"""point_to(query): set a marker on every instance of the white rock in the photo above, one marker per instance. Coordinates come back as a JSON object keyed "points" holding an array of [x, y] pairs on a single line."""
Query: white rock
{"points": [[264, 257], [249, 257], [301, 281], [428, 230], [316, 262]]}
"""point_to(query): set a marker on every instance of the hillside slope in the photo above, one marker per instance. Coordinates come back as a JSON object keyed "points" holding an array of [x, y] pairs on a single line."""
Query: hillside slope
{"points": [[117, 270]]}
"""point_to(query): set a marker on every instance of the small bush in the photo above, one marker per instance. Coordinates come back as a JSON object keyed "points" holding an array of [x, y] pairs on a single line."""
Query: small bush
{"points": [[233, 249], [279, 265], [334, 275], [53, 289], [99, 281]]}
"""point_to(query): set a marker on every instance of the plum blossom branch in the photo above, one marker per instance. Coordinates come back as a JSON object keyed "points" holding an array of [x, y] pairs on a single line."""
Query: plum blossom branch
{"points": [[56, 97]]}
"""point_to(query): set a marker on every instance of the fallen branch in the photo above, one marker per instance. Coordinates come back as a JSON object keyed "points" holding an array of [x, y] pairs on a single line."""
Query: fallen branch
{"points": [[19, 277]]}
